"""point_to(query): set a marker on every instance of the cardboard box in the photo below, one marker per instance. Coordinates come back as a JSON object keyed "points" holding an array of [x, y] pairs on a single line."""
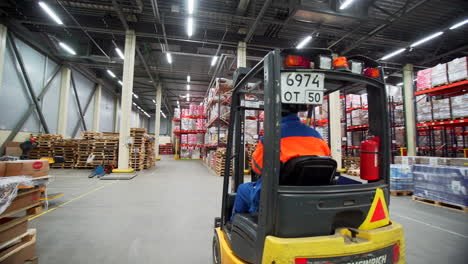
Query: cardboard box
{"points": [[2, 168], [11, 227], [33, 168], [13, 149], [23, 201]]}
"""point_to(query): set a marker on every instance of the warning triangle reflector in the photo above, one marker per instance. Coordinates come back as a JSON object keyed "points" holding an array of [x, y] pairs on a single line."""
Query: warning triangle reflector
{"points": [[379, 212]]}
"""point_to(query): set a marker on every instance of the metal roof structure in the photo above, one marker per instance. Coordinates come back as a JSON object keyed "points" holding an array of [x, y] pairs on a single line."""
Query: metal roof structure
{"points": [[94, 28]]}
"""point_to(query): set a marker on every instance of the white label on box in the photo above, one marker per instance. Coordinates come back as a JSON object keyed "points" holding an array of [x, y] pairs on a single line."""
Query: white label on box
{"points": [[433, 161], [404, 160]]}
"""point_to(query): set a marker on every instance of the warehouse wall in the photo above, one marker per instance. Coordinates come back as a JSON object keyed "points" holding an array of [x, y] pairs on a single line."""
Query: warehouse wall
{"points": [[107, 112], [85, 89], [165, 128]]}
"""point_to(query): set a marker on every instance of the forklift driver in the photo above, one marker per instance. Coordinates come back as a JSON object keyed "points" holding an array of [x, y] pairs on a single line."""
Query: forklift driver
{"points": [[297, 140]]}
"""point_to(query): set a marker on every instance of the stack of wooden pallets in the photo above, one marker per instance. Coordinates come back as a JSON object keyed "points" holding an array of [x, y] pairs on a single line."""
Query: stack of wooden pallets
{"points": [[84, 149], [90, 134], [105, 150], [150, 155], [67, 149], [137, 149], [220, 161], [44, 145]]}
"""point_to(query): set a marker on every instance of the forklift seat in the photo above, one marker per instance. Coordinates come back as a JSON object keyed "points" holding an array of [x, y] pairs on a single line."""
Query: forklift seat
{"points": [[308, 171]]}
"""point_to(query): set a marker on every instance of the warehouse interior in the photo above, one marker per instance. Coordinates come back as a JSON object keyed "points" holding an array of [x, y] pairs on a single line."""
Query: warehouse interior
{"points": [[129, 127]]}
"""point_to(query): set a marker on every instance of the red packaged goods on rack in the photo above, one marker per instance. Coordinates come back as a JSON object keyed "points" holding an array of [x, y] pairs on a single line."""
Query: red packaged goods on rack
{"points": [[184, 139], [424, 79], [457, 69], [353, 100], [193, 110], [439, 75], [185, 113], [200, 124], [192, 139]]}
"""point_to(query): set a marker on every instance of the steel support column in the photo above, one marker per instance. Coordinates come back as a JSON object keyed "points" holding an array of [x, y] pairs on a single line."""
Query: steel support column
{"points": [[116, 113], [410, 117], [126, 99], [64, 101], [157, 119], [3, 38], [97, 108], [335, 127]]}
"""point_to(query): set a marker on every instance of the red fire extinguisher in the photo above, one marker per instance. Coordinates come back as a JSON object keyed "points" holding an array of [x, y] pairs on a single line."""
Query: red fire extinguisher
{"points": [[370, 159]]}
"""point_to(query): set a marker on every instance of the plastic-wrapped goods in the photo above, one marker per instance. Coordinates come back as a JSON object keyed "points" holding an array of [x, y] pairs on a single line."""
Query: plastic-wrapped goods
{"points": [[250, 128], [364, 99], [353, 100], [200, 139], [400, 136], [359, 117], [184, 139], [458, 69], [185, 112], [193, 110], [423, 108], [200, 124], [192, 139], [441, 183], [401, 177], [440, 108], [9, 189], [187, 124], [323, 131], [395, 93], [177, 113], [185, 153], [424, 79], [399, 114], [177, 127], [460, 106], [439, 75], [196, 153]]}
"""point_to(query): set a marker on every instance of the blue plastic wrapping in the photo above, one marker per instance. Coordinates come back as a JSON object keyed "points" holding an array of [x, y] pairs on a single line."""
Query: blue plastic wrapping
{"points": [[441, 183], [401, 177]]}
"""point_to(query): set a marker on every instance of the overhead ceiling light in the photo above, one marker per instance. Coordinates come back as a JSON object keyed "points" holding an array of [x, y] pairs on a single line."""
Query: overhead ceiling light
{"points": [[188, 97], [50, 13], [188, 78], [111, 73], [191, 6], [345, 4], [190, 26], [164, 115], [385, 77], [303, 42], [169, 57], [419, 42], [135, 95], [386, 57], [120, 82], [213, 61], [459, 24], [150, 81], [119, 52], [177, 102], [188, 87], [154, 101], [67, 48], [399, 84], [134, 103]]}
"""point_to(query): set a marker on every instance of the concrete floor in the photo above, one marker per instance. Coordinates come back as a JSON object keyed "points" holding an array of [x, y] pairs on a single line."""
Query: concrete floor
{"points": [[165, 215]]}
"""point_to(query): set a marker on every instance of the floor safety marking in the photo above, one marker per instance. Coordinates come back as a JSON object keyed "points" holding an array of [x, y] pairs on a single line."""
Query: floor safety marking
{"points": [[430, 225], [69, 201]]}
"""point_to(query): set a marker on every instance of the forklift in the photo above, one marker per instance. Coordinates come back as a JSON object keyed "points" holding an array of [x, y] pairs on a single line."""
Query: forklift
{"points": [[306, 216]]}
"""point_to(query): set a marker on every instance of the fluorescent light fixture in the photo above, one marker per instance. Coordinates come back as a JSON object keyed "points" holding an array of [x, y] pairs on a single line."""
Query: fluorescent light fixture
{"points": [[188, 78], [385, 77], [120, 82], [50, 13], [154, 101], [303, 42], [214, 60], [164, 115], [111, 73], [169, 57], [134, 103], [119, 52], [345, 4], [177, 102], [135, 95], [190, 26], [191, 6], [419, 42], [459, 24], [188, 87], [386, 57], [399, 84], [67, 48], [188, 97]]}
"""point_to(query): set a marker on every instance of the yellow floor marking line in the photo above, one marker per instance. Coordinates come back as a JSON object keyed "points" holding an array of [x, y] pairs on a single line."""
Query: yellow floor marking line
{"points": [[69, 201]]}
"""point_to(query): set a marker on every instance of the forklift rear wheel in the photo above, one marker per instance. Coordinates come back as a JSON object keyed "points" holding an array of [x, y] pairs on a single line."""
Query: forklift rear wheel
{"points": [[216, 250]]}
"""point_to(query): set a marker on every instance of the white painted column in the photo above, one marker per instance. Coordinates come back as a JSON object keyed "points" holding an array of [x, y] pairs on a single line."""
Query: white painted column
{"points": [[410, 117], [126, 99], [241, 54], [97, 108], [157, 120], [116, 113], [64, 102], [3, 39], [335, 126]]}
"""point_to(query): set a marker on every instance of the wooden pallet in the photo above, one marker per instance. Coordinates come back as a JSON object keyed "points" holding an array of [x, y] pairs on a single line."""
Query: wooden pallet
{"points": [[401, 193], [441, 204], [21, 249]]}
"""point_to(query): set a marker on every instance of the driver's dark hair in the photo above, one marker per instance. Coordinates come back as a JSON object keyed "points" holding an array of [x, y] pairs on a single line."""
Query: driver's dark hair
{"points": [[287, 109]]}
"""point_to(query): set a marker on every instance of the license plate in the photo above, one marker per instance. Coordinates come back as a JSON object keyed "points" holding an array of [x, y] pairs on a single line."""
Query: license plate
{"points": [[381, 256], [302, 87]]}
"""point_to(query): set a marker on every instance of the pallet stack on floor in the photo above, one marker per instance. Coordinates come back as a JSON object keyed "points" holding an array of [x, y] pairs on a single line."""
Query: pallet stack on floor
{"points": [[84, 149], [150, 155], [220, 161], [67, 149], [137, 149], [105, 150], [44, 145]]}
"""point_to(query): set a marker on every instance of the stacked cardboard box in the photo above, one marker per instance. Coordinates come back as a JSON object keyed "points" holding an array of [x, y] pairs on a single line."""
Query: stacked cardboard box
{"points": [[137, 149], [439, 75], [458, 69], [424, 80], [401, 177]]}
